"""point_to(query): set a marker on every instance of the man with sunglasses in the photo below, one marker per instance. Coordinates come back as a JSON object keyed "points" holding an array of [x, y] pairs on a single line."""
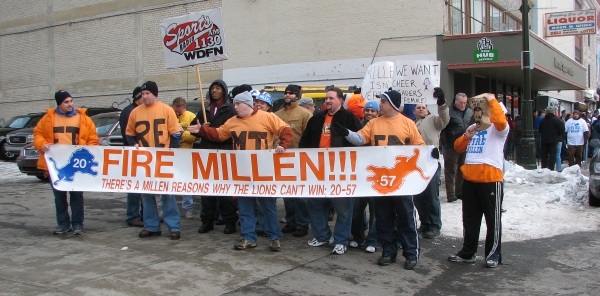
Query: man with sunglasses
{"points": [[296, 213]]}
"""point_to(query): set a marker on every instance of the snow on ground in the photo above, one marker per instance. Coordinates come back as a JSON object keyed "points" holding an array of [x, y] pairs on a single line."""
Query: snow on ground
{"points": [[539, 203]]}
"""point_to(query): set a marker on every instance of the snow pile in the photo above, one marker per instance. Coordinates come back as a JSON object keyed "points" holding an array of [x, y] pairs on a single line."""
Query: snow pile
{"points": [[568, 187]]}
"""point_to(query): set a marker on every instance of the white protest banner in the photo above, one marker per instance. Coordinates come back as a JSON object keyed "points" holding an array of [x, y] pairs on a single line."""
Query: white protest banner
{"points": [[334, 172], [378, 79], [416, 79], [579, 22], [194, 38]]}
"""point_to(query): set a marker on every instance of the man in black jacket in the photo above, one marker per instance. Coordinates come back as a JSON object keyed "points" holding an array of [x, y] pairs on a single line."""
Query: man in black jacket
{"points": [[134, 200], [318, 135], [551, 131], [218, 112], [460, 118]]}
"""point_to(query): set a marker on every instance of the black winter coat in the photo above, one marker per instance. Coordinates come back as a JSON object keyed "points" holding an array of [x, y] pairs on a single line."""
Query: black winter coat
{"points": [[551, 129], [459, 122], [123, 119], [312, 134], [223, 114]]}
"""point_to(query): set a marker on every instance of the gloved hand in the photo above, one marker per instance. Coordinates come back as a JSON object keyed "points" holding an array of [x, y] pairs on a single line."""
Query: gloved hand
{"points": [[435, 153], [439, 94], [338, 130]]}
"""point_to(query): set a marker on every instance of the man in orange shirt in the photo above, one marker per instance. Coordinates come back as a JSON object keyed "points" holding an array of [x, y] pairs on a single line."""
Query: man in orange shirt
{"points": [[252, 130], [393, 213], [155, 124], [70, 126], [482, 187]]}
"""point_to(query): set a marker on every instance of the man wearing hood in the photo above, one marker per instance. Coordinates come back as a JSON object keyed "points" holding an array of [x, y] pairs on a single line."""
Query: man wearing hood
{"points": [[218, 112], [296, 213]]}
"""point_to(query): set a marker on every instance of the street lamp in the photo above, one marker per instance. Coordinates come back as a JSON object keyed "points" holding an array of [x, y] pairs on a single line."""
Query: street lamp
{"points": [[527, 153]]}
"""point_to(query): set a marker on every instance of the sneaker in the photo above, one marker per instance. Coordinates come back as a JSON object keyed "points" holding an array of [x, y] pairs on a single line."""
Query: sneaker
{"points": [[315, 243], [490, 263], [243, 244], [339, 249], [300, 232], [136, 223], [206, 227], [174, 235], [410, 264], [452, 198], [78, 230], [229, 227], [353, 244], [288, 229], [274, 245], [457, 258], [61, 230], [385, 260], [370, 249], [430, 234], [147, 233], [189, 214]]}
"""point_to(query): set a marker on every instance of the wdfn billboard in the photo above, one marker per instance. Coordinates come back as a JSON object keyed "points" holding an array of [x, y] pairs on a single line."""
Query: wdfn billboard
{"points": [[570, 23]]}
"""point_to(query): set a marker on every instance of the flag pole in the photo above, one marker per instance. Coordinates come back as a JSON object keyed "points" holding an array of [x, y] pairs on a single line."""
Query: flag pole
{"points": [[201, 93]]}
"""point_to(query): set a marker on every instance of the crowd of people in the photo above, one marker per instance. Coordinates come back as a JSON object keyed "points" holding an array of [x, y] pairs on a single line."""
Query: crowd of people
{"points": [[473, 160]]}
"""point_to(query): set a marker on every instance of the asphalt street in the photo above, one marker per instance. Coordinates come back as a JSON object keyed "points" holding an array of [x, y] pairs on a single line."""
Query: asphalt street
{"points": [[33, 261]]}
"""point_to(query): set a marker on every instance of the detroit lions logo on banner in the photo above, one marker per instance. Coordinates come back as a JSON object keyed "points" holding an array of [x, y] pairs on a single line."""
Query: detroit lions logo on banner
{"points": [[81, 161]]}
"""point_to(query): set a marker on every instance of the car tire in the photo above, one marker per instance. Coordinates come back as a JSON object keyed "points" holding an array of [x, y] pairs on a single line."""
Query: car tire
{"points": [[6, 155], [593, 202], [45, 179]]}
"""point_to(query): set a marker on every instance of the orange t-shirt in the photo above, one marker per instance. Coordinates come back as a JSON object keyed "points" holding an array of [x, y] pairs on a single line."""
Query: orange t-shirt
{"points": [[326, 132], [153, 125], [254, 132], [385, 131], [66, 129]]}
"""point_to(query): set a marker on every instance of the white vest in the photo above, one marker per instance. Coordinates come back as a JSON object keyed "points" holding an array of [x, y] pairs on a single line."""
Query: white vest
{"points": [[487, 147]]}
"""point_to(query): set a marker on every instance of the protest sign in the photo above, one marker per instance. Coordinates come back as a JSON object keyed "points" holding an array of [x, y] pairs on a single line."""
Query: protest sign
{"points": [[334, 172], [481, 111], [414, 79]]}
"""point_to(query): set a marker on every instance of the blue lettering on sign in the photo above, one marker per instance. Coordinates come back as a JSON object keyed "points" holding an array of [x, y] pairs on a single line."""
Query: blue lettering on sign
{"points": [[477, 142]]}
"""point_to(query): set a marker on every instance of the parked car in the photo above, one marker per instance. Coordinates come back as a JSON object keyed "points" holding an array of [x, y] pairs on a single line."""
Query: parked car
{"points": [[594, 181], [114, 139], [13, 124], [28, 157]]}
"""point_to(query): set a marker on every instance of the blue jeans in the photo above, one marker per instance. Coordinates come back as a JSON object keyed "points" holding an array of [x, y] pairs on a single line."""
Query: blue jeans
{"points": [[169, 208], [358, 227], [187, 202], [428, 204], [247, 213], [319, 218], [133, 207], [396, 223], [260, 217], [296, 213], [558, 157], [62, 208]]}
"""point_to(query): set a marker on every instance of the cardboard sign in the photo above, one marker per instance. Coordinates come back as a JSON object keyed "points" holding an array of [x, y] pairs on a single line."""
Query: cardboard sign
{"points": [[481, 111], [194, 38], [579, 22], [414, 79], [333, 172]]}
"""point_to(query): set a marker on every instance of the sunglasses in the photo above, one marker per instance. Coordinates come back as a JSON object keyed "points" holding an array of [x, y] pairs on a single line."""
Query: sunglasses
{"points": [[289, 93]]}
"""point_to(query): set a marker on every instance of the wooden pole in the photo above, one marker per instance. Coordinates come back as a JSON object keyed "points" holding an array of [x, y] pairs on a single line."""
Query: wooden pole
{"points": [[201, 93]]}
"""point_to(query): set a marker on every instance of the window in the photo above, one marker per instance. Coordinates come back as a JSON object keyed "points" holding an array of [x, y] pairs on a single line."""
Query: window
{"points": [[496, 19], [578, 51], [457, 17], [478, 16], [478, 13]]}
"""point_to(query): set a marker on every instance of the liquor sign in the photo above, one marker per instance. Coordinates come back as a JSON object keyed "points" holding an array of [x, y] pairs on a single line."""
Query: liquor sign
{"points": [[579, 22]]}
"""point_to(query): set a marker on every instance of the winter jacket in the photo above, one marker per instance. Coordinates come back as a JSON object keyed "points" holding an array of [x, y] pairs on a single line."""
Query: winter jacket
{"points": [[311, 136], [431, 126], [596, 130], [44, 133], [551, 129], [223, 114], [123, 118], [297, 117], [459, 122], [184, 120]]}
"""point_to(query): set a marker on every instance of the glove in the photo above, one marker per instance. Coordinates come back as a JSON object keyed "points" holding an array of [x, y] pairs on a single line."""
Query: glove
{"points": [[338, 130], [439, 94], [435, 153]]}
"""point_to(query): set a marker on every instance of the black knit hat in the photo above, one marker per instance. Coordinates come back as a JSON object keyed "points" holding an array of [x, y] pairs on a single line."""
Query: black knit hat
{"points": [[294, 89], [137, 93], [151, 87], [240, 89], [394, 97], [60, 96]]}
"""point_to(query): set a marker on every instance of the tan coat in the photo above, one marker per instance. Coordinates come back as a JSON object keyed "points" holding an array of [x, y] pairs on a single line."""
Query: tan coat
{"points": [[297, 117]]}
